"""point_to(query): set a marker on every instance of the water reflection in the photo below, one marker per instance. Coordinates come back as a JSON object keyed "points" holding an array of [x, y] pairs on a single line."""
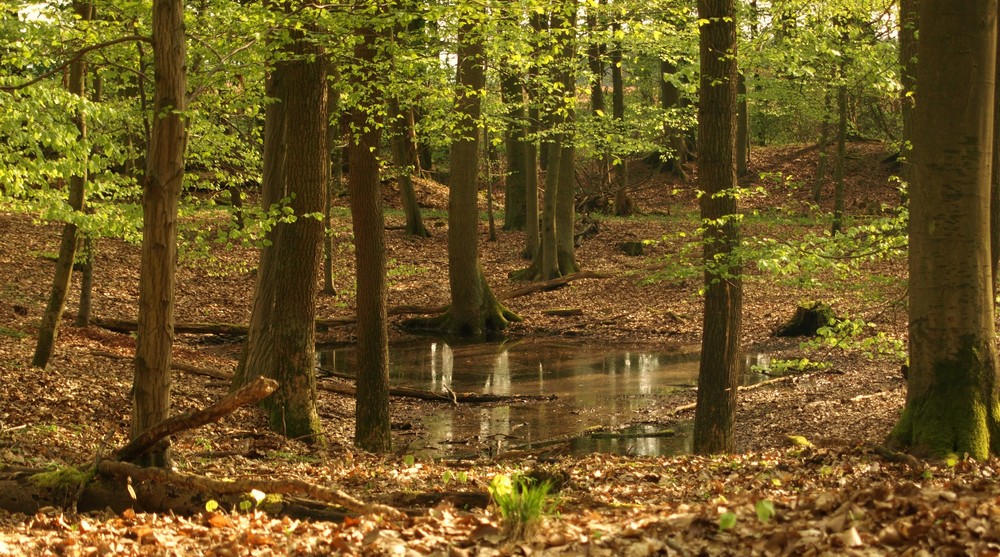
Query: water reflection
{"points": [[594, 385]]}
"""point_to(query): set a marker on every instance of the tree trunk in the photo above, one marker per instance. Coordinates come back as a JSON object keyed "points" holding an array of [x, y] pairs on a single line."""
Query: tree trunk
{"points": [[256, 357], [742, 127], [595, 60], [532, 237], [161, 193], [333, 184], [824, 144], [623, 205], [952, 400], [405, 167], [62, 278], [515, 141], [89, 245], [718, 373], [292, 407], [474, 309], [565, 196], [371, 428], [838, 170], [670, 100], [907, 77]]}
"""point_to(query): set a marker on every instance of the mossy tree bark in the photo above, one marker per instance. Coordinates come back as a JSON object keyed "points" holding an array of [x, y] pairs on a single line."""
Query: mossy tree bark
{"points": [[61, 280], [292, 408], [161, 194], [952, 400], [995, 181], [372, 427], [718, 373]]}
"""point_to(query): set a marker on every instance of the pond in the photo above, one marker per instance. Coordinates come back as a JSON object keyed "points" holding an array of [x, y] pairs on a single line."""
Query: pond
{"points": [[604, 387]]}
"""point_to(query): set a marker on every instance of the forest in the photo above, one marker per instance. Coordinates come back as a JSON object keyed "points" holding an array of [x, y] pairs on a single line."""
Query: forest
{"points": [[507, 277]]}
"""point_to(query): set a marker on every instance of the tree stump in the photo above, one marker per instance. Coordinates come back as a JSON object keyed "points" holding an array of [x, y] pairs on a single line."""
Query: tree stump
{"points": [[807, 320]]}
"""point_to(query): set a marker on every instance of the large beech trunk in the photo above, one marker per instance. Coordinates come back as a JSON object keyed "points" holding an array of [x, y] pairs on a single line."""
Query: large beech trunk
{"points": [[952, 400], [292, 408], [720, 347]]}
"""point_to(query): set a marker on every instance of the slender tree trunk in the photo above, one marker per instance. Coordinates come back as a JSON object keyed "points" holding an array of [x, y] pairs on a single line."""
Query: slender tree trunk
{"points": [[256, 357], [62, 278], [742, 127], [718, 373], [333, 185], [838, 171], [952, 399], [549, 260], [292, 407], [372, 428], [89, 244], [824, 144], [623, 204], [532, 235], [565, 199], [405, 167], [515, 141], [670, 100], [161, 193], [595, 60]]}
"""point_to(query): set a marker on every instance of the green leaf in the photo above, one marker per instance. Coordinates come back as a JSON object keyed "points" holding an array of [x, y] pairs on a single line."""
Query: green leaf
{"points": [[211, 505], [727, 520], [409, 460], [765, 510]]}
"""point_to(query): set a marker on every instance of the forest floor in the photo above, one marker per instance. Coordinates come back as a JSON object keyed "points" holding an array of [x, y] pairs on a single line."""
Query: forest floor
{"points": [[840, 493]]}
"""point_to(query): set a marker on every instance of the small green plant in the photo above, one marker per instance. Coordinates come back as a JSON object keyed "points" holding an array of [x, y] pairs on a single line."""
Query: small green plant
{"points": [[794, 365], [765, 510], [727, 520], [522, 503]]}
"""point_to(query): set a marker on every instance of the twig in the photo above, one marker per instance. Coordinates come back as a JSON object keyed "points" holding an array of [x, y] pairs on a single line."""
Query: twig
{"points": [[79, 54]]}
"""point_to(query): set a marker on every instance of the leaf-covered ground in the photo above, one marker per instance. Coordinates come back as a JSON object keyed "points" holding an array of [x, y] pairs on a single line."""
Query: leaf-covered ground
{"points": [[838, 495]]}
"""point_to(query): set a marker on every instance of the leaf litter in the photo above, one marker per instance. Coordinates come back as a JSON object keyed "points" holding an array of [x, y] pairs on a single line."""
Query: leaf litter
{"points": [[836, 494]]}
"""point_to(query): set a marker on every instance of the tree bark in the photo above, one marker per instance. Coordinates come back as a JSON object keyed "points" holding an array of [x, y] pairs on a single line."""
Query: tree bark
{"points": [[474, 309], [952, 400], [161, 193], [515, 141], [62, 278], [372, 427], [334, 184], [405, 167], [824, 143], [742, 127], [720, 347], [255, 359], [907, 78], [292, 408], [838, 169]]}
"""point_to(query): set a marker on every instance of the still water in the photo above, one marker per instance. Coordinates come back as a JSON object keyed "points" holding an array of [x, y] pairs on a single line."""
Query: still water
{"points": [[607, 386]]}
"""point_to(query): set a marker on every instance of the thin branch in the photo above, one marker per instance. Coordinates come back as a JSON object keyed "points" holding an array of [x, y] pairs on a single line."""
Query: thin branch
{"points": [[76, 57]]}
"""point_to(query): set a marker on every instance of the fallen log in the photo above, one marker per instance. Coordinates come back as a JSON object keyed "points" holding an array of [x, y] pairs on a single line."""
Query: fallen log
{"points": [[129, 472], [125, 326]]}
